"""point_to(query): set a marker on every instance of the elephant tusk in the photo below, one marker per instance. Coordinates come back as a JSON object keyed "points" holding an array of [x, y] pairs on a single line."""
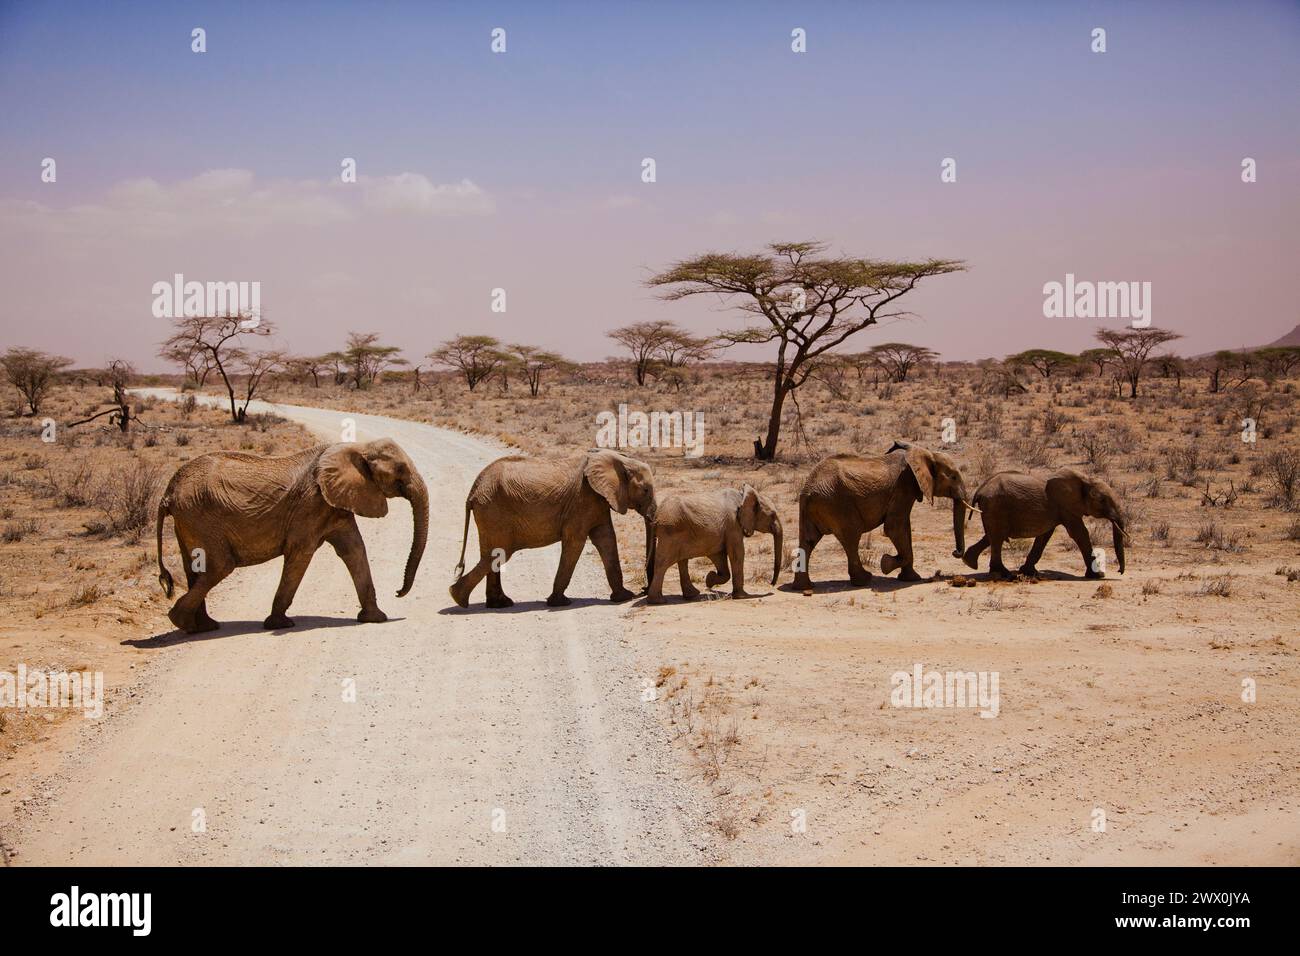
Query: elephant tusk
{"points": [[972, 507]]}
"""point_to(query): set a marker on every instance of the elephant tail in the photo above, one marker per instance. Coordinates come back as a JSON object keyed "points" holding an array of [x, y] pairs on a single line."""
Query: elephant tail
{"points": [[464, 538], [164, 576]]}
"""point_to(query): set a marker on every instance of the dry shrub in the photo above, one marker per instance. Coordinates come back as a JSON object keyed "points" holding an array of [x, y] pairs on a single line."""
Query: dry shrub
{"points": [[128, 498]]}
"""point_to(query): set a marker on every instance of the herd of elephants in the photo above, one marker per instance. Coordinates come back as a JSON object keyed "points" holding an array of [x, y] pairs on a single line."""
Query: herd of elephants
{"points": [[232, 510]]}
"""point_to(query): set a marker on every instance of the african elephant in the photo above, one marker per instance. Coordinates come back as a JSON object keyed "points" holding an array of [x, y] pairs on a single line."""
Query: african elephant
{"points": [[232, 510], [711, 524], [523, 503], [1014, 504], [849, 495]]}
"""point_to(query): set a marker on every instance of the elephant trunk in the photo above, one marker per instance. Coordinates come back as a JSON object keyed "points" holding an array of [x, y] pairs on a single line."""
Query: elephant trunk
{"points": [[418, 495], [649, 550], [1117, 537], [777, 549], [959, 526]]}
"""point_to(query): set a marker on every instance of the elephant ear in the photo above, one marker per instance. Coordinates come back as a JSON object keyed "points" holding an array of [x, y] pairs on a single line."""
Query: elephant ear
{"points": [[922, 465], [605, 473], [344, 478], [747, 513]]}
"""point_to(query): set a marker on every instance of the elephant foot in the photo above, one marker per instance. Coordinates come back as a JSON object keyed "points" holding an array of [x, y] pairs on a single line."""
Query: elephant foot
{"points": [[713, 579], [861, 578], [372, 616], [802, 582], [277, 621], [1001, 573], [500, 600], [654, 599], [459, 594], [971, 559], [621, 595], [690, 594], [909, 574], [889, 562], [1092, 575], [1028, 571], [191, 625], [558, 600], [740, 595]]}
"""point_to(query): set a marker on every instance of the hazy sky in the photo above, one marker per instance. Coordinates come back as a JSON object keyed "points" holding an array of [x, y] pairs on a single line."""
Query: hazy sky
{"points": [[522, 170]]}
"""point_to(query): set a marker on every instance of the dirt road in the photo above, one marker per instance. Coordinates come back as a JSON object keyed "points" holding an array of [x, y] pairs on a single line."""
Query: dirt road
{"points": [[495, 738]]}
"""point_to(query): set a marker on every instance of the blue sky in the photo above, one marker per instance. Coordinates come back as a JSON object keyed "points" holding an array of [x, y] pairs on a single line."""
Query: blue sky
{"points": [[1123, 165]]}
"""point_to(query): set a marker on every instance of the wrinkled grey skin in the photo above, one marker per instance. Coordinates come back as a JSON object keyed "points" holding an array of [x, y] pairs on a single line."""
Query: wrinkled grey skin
{"points": [[521, 503], [1014, 504], [711, 524], [237, 510]]}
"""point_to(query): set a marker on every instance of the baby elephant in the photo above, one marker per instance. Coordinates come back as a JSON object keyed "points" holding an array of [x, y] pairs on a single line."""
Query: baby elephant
{"points": [[711, 524], [1018, 505]]}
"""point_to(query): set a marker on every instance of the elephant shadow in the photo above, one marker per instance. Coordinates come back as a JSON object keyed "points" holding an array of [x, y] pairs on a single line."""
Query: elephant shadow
{"points": [[879, 585], [520, 607], [302, 622]]}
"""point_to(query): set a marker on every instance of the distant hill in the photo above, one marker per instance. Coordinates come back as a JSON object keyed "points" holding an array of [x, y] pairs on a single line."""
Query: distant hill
{"points": [[1291, 338]]}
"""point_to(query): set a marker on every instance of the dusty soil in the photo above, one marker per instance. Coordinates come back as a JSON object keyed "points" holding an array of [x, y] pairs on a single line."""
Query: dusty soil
{"points": [[771, 736]]}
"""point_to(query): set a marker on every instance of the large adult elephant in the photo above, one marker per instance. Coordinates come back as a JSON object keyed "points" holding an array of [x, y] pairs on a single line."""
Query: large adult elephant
{"points": [[1014, 504], [849, 495], [232, 510], [521, 503]]}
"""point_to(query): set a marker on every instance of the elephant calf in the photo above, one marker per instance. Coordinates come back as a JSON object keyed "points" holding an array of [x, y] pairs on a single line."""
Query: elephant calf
{"points": [[1014, 504], [710, 525], [232, 510], [521, 503]]}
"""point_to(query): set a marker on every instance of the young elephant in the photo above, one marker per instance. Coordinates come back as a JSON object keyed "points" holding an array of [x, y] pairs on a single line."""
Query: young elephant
{"points": [[1019, 505], [232, 510], [849, 495], [712, 524], [521, 503]]}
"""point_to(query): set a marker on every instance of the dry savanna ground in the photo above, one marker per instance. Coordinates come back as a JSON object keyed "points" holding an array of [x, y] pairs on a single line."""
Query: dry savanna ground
{"points": [[78, 575], [1124, 697]]}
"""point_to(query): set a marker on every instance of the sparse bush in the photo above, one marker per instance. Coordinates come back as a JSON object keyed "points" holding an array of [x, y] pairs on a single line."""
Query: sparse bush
{"points": [[17, 530], [1282, 471], [127, 498]]}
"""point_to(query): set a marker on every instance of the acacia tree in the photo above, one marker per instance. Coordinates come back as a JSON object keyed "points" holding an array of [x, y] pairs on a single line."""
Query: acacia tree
{"points": [[32, 373], [218, 338], [897, 359], [806, 302], [365, 358], [253, 367], [1043, 361], [533, 361], [118, 374], [1131, 349], [1098, 358], [196, 361], [476, 357], [1278, 360], [645, 341]]}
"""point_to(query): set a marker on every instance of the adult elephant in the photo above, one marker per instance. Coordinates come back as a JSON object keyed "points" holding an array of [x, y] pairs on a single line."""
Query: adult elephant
{"points": [[232, 510], [521, 503], [1014, 504], [849, 495]]}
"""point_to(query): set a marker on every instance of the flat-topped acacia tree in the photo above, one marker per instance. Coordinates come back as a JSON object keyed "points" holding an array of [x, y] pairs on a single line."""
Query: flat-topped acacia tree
{"points": [[805, 301]]}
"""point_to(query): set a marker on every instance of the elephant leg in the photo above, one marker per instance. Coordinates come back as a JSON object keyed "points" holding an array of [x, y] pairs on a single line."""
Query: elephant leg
{"points": [[187, 563], [1030, 568], [996, 567], [570, 551], [655, 590], [808, 538], [721, 573], [465, 584], [295, 566], [898, 529], [849, 541], [185, 612], [602, 536], [496, 596], [1079, 532], [351, 547], [972, 555], [689, 590], [736, 555]]}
